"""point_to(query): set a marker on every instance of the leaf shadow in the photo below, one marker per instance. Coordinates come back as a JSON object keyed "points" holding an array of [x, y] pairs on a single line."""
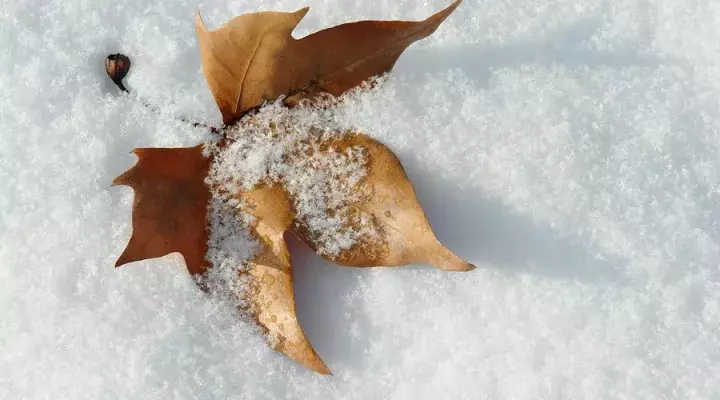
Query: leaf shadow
{"points": [[487, 232], [567, 47], [320, 289]]}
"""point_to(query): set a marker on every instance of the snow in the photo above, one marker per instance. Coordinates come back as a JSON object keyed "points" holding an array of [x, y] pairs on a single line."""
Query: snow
{"points": [[230, 247], [293, 147], [570, 148]]}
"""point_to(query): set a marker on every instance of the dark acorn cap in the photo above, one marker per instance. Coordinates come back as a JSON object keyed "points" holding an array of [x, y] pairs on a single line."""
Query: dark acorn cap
{"points": [[117, 66]]}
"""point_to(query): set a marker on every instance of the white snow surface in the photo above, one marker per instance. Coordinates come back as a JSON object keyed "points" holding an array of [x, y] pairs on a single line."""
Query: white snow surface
{"points": [[568, 148]]}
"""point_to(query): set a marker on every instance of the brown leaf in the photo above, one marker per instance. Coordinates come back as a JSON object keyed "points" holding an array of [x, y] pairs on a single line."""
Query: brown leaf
{"points": [[389, 199], [390, 202], [254, 58], [170, 206], [271, 296], [251, 59]]}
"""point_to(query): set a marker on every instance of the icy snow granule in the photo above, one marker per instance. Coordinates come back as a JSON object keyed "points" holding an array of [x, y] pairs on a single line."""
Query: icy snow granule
{"points": [[230, 247], [293, 148]]}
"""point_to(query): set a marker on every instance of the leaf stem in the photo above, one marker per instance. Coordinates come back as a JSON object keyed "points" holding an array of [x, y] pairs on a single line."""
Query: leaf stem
{"points": [[156, 110]]}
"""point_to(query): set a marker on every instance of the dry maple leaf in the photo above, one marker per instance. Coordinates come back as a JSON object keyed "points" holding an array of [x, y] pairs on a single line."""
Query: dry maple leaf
{"points": [[253, 58], [248, 61]]}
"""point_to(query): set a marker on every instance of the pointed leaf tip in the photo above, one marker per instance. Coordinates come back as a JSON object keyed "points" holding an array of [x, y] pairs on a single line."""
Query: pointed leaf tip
{"points": [[118, 181], [300, 14], [199, 24], [453, 263], [442, 258], [121, 261]]}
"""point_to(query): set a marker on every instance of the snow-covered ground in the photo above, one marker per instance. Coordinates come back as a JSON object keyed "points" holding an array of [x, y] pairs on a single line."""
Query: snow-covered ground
{"points": [[569, 148]]}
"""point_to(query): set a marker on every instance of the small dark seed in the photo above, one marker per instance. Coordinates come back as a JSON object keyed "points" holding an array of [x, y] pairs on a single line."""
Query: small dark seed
{"points": [[117, 67]]}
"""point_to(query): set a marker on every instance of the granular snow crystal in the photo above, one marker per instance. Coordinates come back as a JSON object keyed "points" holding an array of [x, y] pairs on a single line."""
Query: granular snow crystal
{"points": [[290, 147]]}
